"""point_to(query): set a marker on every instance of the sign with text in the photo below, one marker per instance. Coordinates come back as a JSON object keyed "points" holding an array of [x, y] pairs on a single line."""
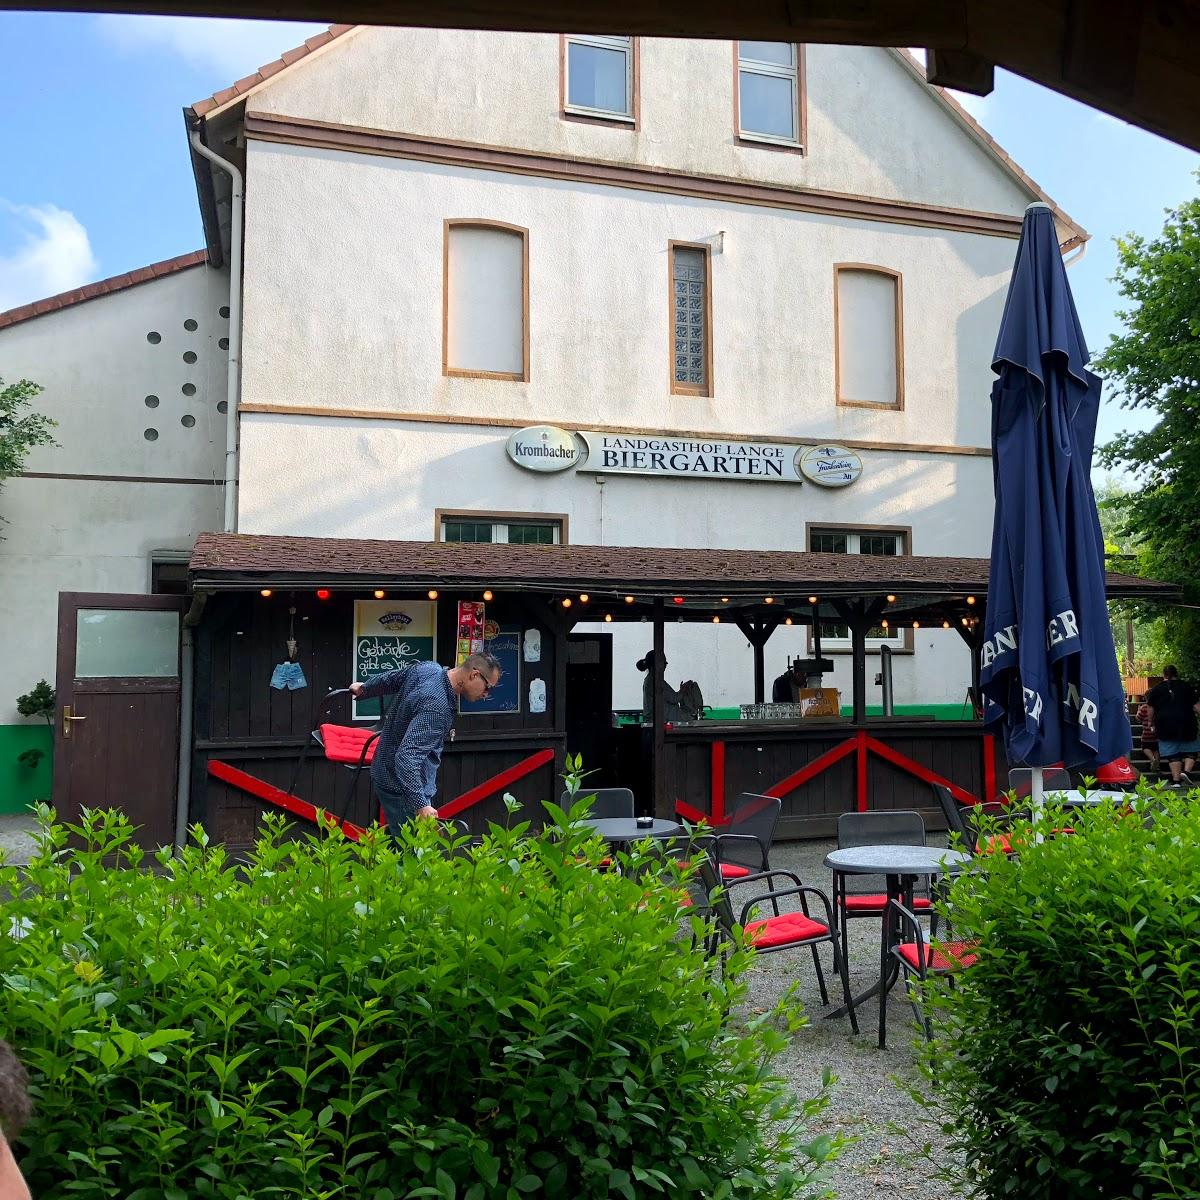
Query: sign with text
{"points": [[504, 642], [830, 466], [692, 458], [390, 635]]}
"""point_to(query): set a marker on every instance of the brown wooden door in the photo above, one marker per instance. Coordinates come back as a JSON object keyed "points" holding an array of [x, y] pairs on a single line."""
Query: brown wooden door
{"points": [[116, 741]]}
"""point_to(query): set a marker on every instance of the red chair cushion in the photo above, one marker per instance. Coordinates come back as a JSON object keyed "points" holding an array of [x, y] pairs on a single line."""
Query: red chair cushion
{"points": [[996, 843], [784, 930], [1120, 770], [733, 871], [879, 903], [951, 956], [344, 743]]}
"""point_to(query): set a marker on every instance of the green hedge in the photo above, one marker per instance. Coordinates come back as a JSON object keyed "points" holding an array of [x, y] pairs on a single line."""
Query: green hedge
{"points": [[1067, 1061], [340, 1019]]}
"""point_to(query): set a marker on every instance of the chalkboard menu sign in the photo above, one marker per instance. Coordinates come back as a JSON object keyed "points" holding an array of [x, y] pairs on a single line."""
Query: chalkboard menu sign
{"points": [[505, 644], [390, 635]]}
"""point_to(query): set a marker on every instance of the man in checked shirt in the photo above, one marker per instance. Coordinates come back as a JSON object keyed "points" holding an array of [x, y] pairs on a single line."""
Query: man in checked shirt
{"points": [[409, 751]]}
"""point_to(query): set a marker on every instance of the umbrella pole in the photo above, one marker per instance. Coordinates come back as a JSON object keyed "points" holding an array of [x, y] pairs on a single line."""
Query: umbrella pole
{"points": [[1036, 800]]}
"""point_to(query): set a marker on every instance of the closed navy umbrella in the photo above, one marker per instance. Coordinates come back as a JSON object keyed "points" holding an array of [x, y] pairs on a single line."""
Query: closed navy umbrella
{"points": [[1049, 669]]}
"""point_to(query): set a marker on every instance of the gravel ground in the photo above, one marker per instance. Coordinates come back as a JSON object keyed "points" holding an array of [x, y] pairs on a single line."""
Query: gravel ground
{"points": [[886, 1160]]}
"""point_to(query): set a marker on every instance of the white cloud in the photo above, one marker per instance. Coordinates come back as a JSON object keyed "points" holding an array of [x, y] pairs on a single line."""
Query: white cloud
{"points": [[230, 47], [53, 254]]}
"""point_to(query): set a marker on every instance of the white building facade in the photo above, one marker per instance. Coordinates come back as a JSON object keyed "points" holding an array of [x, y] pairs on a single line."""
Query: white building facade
{"points": [[452, 235]]}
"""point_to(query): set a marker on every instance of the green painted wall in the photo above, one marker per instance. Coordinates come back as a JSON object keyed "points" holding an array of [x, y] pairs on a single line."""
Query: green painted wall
{"points": [[19, 786]]}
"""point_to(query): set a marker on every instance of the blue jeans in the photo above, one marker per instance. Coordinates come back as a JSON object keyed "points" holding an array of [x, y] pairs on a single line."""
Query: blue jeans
{"points": [[398, 810]]}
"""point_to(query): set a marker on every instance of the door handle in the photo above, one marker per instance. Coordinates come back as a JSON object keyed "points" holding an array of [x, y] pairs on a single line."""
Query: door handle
{"points": [[67, 719]]}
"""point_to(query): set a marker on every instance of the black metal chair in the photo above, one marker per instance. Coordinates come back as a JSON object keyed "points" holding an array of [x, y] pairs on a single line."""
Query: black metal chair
{"points": [[786, 929], [960, 819], [608, 802], [856, 896], [744, 846], [1054, 779], [919, 958]]}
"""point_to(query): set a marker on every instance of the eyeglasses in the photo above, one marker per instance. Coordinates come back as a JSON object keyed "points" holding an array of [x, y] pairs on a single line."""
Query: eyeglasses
{"points": [[488, 688]]}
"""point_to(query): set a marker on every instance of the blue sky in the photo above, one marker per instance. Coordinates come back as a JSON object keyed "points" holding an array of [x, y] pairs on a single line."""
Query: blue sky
{"points": [[95, 180]]}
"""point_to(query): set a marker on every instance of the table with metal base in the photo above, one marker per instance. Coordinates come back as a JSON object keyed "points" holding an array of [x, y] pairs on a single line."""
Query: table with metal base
{"points": [[903, 866], [620, 830]]}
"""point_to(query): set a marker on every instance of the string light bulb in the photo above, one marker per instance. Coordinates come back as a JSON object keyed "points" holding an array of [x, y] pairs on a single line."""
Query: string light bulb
{"points": [[916, 624], [608, 617], [724, 599], [965, 621], [891, 599], [487, 595], [716, 619], [323, 593], [884, 623], [566, 602], [945, 624], [628, 599], [379, 593], [970, 599], [768, 599], [787, 620], [812, 599], [432, 593], [677, 599], [584, 597], [265, 593]]}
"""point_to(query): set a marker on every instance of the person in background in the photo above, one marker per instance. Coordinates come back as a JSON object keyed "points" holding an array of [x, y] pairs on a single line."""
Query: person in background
{"points": [[15, 1110], [786, 689], [409, 752], [1174, 704], [1149, 734], [673, 706]]}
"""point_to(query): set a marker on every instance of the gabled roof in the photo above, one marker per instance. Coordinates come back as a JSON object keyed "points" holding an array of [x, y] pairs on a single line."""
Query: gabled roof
{"points": [[105, 287], [243, 88], [242, 560]]}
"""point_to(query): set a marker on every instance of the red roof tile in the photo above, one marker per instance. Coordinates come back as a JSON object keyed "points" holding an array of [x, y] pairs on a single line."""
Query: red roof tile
{"points": [[225, 559], [250, 82], [105, 287]]}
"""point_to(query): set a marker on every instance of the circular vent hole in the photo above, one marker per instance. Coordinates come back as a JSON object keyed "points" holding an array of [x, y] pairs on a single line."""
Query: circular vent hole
{"points": [[189, 357], [190, 325], [154, 337], [222, 406], [225, 310], [224, 343], [189, 389], [187, 421], [151, 435], [151, 401]]}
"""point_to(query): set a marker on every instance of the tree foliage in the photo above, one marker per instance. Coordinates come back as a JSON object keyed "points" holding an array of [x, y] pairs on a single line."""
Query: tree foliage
{"points": [[1155, 366], [20, 428]]}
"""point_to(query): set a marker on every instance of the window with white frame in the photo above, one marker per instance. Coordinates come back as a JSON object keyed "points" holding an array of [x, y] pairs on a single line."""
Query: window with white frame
{"points": [[768, 92], [835, 636], [486, 300], [599, 77], [483, 527]]}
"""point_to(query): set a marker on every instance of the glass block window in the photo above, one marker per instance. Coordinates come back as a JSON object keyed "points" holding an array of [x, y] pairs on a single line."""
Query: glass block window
{"points": [[599, 79], [690, 340], [857, 541], [769, 92], [483, 528]]}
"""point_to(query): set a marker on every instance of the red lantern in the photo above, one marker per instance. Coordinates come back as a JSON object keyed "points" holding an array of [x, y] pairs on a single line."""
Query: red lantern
{"points": [[323, 593], [678, 599]]}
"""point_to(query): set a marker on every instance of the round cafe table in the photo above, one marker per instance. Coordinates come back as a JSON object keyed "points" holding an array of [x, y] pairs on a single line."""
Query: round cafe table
{"points": [[903, 866], [619, 830]]}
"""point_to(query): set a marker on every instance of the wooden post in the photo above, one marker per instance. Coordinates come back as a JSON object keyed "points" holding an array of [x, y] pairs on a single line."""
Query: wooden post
{"points": [[858, 645], [657, 713], [758, 636]]}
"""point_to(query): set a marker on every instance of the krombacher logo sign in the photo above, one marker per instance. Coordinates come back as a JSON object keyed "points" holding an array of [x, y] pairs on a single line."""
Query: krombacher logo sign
{"points": [[544, 448]]}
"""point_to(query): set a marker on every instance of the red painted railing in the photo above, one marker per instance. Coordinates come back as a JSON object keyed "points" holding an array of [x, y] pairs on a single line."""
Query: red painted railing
{"points": [[262, 790], [861, 744]]}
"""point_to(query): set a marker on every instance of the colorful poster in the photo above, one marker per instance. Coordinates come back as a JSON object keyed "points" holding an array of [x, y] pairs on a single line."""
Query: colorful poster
{"points": [[390, 635], [505, 643], [471, 629]]}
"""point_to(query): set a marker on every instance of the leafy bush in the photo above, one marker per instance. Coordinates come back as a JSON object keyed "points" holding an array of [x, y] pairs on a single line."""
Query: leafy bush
{"points": [[341, 1019], [1067, 1060]]}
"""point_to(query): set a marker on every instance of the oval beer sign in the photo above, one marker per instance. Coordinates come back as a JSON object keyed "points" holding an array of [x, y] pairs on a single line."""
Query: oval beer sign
{"points": [[543, 448], [829, 466]]}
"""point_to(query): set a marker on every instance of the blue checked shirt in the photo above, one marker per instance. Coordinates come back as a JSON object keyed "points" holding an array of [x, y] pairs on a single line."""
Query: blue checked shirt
{"points": [[414, 732]]}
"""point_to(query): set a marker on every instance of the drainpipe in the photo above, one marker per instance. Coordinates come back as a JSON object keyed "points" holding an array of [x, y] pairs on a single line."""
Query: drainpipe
{"points": [[183, 790], [232, 388]]}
